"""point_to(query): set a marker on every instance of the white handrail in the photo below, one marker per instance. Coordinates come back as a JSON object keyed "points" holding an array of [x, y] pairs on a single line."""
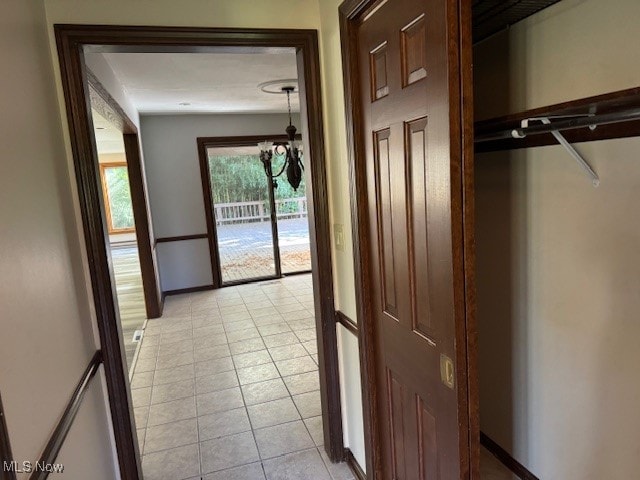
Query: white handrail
{"points": [[244, 212]]}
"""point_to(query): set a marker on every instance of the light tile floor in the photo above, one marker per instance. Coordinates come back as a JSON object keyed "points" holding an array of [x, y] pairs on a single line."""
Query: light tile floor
{"points": [[226, 387]]}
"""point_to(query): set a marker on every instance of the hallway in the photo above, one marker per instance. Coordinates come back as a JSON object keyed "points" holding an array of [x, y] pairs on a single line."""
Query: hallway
{"points": [[226, 387], [126, 270]]}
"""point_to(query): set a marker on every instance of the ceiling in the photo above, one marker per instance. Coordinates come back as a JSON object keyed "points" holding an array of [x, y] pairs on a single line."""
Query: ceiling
{"points": [[108, 138], [162, 83]]}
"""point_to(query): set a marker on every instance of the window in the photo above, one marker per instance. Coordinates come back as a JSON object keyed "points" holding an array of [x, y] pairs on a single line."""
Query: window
{"points": [[117, 197]]}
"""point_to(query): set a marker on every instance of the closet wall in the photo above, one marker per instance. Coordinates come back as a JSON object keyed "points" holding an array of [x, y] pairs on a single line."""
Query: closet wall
{"points": [[558, 261]]}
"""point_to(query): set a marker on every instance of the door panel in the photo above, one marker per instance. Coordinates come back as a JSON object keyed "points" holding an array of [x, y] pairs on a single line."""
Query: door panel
{"points": [[405, 105], [385, 211]]}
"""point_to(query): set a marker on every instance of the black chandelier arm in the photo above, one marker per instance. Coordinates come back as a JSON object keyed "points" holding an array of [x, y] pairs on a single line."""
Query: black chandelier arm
{"points": [[265, 158], [292, 159], [284, 166]]}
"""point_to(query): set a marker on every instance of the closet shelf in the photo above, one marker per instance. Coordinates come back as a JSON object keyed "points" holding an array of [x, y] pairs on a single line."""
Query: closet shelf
{"points": [[491, 16], [617, 115]]}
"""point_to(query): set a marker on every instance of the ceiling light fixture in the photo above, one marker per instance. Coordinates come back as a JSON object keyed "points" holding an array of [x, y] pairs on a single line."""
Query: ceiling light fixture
{"points": [[292, 152]]}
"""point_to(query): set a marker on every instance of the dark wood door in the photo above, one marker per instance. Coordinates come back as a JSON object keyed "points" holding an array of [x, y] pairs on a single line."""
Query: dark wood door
{"points": [[410, 108]]}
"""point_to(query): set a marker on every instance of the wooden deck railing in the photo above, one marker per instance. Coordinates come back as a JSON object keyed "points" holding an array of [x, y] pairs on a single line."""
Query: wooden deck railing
{"points": [[258, 211]]}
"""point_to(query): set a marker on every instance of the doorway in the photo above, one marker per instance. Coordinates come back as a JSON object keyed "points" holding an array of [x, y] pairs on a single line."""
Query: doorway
{"points": [[123, 199], [260, 226], [72, 41]]}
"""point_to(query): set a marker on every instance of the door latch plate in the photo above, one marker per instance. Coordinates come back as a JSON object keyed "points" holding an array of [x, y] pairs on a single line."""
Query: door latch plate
{"points": [[447, 371]]}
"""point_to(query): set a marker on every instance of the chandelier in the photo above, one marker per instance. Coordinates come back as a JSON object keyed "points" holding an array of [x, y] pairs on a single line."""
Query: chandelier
{"points": [[291, 152]]}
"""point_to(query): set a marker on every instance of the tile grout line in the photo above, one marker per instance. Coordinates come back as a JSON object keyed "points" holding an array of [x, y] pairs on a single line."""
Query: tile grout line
{"points": [[224, 324], [294, 403], [195, 396], [246, 409]]}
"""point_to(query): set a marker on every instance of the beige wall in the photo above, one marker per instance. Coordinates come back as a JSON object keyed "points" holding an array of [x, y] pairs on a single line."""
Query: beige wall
{"points": [[205, 13], [558, 259], [112, 158], [575, 49], [338, 172], [45, 317]]}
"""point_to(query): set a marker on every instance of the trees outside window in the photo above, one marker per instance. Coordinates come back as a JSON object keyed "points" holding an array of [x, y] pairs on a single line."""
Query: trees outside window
{"points": [[117, 197], [241, 178]]}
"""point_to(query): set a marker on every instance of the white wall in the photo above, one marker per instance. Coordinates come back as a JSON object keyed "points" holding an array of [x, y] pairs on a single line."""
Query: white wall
{"points": [[175, 185], [338, 179], [48, 335], [558, 260]]}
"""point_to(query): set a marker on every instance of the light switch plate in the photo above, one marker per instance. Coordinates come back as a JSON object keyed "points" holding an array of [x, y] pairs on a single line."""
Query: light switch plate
{"points": [[338, 236]]}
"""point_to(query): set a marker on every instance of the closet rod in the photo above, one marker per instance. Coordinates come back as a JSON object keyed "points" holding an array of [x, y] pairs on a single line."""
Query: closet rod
{"points": [[562, 125]]}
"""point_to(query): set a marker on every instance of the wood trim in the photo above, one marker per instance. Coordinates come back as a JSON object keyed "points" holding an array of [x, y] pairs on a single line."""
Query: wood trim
{"points": [[5, 446], [312, 127], [107, 198], [182, 238], [112, 164], [607, 103], [353, 464], [349, 12], [468, 238], [235, 283], [212, 231], [242, 140], [71, 41], [461, 163], [52, 449], [507, 460], [144, 236], [347, 323], [180, 291]]}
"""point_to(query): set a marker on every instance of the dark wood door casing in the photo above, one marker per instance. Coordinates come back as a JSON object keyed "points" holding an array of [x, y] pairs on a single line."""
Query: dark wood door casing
{"points": [[144, 236], [408, 87], [71, 41]]}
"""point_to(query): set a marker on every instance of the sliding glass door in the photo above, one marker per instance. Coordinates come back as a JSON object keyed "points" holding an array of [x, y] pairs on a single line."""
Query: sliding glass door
{"points": [[293, 226], [241, 208], [261, 231]]}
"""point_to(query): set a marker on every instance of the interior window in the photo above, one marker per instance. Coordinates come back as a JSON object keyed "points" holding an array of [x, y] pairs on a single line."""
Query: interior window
{"points": [[117, 196]]}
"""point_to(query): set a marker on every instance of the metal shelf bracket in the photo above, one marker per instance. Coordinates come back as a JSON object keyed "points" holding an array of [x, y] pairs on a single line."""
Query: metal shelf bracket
{"points": [[582, 163]]}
